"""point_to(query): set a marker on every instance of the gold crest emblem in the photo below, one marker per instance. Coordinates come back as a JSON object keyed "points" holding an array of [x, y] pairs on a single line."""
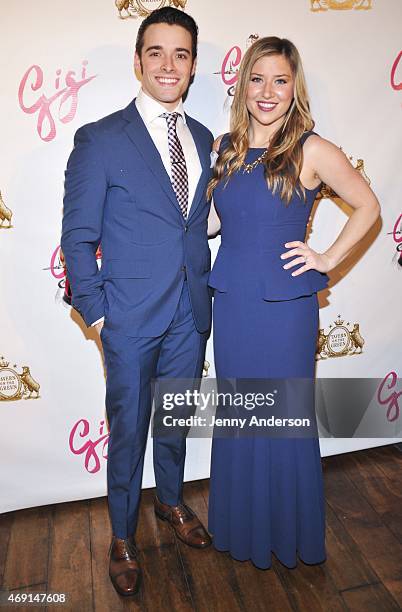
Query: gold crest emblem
{"points": [[5, 215], [342, 339], [143, 8], [251, 40], [14, 386], [340, 5], [327, 192]]}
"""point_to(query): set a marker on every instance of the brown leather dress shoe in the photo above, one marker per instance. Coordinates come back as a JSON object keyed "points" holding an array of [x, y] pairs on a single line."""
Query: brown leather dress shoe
{"points": [[185, 523], [124, 569]]}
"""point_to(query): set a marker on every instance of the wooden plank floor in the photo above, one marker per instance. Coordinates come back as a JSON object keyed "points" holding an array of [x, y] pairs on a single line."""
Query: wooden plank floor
{"points": [[64, 548]]}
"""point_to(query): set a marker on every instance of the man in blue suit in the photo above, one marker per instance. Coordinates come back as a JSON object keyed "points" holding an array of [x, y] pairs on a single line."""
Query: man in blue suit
{"points": [[136, 183]]}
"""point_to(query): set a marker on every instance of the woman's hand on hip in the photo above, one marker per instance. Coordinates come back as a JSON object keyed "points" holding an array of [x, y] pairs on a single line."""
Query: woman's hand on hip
{"points": [[303, 254]]}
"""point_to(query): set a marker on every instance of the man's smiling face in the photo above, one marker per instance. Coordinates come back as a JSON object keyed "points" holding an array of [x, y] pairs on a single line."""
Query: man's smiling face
{"points": [[166, 63]]}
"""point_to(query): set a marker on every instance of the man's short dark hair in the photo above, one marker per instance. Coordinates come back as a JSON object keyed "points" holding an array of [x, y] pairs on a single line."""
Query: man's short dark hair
{"points": [[171, 16]]}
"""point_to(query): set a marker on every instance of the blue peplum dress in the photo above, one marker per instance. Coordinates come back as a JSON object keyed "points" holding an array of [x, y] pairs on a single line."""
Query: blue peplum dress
{"points": [[266, 493]]}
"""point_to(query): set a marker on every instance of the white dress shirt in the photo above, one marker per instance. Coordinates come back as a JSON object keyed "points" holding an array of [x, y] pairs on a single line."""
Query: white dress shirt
{"points": [[150, 112]]}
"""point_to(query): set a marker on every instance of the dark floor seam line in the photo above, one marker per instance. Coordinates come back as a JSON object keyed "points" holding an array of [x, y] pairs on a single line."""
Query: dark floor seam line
{"points": [[23, 586], [6, 553], [184, 572], [360, 586], [358, 546], [372, 507], [49, 547], [288, 592]]}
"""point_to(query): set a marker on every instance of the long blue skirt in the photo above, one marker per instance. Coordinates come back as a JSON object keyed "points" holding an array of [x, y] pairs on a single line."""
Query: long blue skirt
{"points": [[266, 494]]}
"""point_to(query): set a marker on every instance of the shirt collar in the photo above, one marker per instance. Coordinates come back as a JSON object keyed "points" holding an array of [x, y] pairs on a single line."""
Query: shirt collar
{"points": [[150, 109]]}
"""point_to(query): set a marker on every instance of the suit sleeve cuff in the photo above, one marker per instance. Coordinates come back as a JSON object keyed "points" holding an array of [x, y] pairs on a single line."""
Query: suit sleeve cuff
{"points": [[97, 321], [95, 312]]}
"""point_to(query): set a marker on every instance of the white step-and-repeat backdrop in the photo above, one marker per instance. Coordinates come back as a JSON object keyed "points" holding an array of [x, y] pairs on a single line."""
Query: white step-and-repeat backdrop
{"points": [[68, 63]]}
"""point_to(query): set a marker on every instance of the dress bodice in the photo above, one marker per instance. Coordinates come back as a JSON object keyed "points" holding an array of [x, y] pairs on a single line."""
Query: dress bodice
{"points": [[255, 225]]}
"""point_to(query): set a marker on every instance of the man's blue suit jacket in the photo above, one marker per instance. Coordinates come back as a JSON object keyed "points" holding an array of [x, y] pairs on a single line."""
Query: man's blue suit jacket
{"points": [[118, 193]]}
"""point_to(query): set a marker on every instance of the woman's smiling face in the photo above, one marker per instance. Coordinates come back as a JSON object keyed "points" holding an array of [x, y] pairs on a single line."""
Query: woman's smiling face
{"points": [[270, 91]]}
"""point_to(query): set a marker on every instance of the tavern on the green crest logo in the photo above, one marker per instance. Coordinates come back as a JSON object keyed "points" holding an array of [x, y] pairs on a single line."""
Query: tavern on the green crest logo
{"points": [[143, 8], [340, 5]]}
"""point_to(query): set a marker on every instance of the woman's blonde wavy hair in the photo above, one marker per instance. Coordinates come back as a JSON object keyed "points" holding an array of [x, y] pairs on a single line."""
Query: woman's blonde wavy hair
{"points": [[285, 154]]}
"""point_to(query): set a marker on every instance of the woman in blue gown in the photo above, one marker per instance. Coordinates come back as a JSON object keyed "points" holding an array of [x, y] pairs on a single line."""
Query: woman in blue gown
{"points": [[266, 493]]}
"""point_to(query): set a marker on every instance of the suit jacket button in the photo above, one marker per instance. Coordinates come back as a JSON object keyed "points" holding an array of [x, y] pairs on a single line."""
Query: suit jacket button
{"points": [[185, 228], [183, 268]]}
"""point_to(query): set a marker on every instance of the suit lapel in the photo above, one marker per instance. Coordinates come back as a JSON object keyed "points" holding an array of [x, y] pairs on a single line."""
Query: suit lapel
{"points": [[139, 136], [205, 160]]}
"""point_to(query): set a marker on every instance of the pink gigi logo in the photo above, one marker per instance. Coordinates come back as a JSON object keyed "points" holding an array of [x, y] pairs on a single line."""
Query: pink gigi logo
{"points": [[397, 237], [389, 399], [80, 443], [231, 64], [67, 90], [397, 231], [56, 266], [397, 63]]}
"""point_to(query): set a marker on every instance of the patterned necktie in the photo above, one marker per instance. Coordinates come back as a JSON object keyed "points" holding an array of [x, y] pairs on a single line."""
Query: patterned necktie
{"points": [[179, 177]]}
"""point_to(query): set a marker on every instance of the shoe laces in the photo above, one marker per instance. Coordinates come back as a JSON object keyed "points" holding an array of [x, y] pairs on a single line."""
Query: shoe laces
{"points": [[184, 512]]}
